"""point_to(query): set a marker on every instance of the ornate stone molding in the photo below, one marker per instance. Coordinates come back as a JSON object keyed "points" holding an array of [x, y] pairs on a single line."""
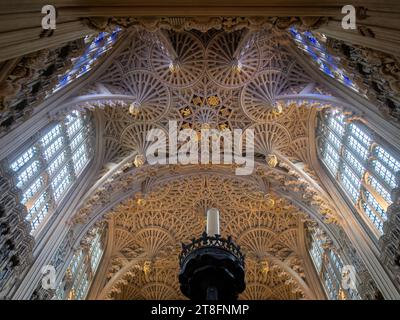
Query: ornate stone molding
{"points": [[366, 286], [26, 85], [376, 72], [59, 261], [204, 24], [16, 243]]}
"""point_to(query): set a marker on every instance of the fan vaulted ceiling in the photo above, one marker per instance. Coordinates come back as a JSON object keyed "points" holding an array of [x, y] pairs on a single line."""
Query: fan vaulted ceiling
{"points": [[81, 193], [225, 80], [149, 232]]}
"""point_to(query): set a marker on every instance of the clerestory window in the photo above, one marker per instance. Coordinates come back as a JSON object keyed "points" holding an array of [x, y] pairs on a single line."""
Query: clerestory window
{"points": [[48, 167], [83, 267], [363, 168], [330, 269]]}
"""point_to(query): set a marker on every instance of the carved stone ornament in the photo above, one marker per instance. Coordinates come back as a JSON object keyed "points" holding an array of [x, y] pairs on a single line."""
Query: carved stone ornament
{"points": [[204, 24], [373, 70], [191, 78], [16, 243], [390, 241], [26, 85]]}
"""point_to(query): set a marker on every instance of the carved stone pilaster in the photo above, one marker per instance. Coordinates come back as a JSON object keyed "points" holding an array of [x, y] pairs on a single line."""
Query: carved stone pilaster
{"points": [[16, 243], [42, 294]]}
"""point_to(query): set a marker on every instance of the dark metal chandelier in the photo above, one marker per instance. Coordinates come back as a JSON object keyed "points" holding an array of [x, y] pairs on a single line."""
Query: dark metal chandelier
{"points": [[212, 267]]}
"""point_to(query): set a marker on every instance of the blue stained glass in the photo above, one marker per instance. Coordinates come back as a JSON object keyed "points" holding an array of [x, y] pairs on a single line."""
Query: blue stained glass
{"points": [[311, 38], [83, 59], [310, 43], [64, 80], [94, 50], [332, 61], [313, 55], [294, 32], [114, 36], [347, 80], [100, 37], [92, 47], [326, 69]]}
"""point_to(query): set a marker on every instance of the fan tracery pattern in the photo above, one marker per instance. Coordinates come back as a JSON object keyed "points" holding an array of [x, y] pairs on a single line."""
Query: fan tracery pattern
{"points": [[154, 227], [274, 284], [271, 137], [134, 137], [157, 281], [180, 64], [223, 81], [149, 98], [231, 61]]}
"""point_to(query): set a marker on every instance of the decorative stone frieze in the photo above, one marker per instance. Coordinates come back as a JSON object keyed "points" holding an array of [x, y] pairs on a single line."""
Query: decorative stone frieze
{"points": [[204, 24]]}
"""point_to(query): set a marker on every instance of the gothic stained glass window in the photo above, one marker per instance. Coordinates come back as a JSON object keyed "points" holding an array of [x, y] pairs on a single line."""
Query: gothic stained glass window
{"points": [[83, 267], [364, 169], [46, 170], [314, 45], [329, 266], [95, 48]]}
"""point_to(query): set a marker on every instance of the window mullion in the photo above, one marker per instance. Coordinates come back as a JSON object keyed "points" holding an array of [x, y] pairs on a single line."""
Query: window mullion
{"points": [[341, 151], [356, 156], [69, 161], [49, 196], [77, 276], [373, 157], [84, 271], [371, 172]]}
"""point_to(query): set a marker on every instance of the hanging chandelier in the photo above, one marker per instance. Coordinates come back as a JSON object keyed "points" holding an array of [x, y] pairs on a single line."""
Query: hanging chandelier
{"points": [[212, 267]]}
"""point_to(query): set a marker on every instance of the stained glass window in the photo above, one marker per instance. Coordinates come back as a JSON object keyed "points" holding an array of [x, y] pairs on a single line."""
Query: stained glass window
{"points": [[47, 169], [364, 169], [314, 44], [83, 267], [316, 251], [96, 46], [329, 266]]}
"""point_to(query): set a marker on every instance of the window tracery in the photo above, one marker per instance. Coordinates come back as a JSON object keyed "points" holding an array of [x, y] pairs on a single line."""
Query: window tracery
{"points": [[364, 168], [329, 266], [314, 44], [95, 48], [83, 266], [49, 166]]}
